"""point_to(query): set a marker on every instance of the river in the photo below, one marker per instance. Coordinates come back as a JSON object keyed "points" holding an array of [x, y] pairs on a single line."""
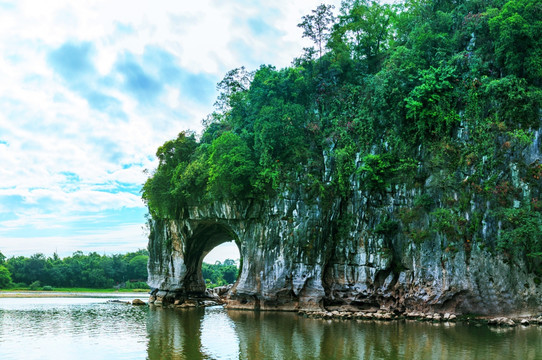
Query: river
{"points": [[93, 328]]}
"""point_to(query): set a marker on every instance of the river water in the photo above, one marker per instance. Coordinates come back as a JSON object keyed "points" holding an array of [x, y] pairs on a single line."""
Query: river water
{"points": [[92, 328]]}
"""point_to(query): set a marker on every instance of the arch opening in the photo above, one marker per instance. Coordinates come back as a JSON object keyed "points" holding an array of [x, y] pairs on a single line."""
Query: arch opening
{"points": [[220, 266], [205, 239]]}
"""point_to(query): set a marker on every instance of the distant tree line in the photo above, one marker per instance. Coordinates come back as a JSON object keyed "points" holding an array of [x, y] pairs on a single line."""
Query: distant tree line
{"points": [[79, 270], [219, 274], [94, 271]]}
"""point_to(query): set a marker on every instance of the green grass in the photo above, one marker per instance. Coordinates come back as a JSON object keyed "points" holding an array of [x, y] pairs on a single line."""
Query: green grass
{"points": [[79, 290]]}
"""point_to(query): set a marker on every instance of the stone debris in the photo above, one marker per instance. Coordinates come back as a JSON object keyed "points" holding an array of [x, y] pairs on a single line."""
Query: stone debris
{"points": [[501, 321], [183, 303], [382, 315], [118, 302]]}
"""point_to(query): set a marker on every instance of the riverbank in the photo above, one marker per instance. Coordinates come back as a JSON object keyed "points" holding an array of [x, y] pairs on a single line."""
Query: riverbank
{"points": [[70, 293]]}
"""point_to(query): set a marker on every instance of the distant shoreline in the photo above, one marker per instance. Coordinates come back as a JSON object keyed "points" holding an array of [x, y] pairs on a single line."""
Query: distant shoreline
{"points": [[68, 293]]}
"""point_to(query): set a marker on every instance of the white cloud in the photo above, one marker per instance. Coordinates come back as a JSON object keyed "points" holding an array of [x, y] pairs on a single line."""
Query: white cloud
{"points": [[76, 135], [122, 239], [228, 250]]}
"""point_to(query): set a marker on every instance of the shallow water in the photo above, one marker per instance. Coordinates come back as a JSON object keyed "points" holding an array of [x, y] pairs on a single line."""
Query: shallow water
{"points": [[92, 328]]}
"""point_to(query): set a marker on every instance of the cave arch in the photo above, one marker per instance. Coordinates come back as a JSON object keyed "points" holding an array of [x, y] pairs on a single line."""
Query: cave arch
{"points": [[205, 238]]}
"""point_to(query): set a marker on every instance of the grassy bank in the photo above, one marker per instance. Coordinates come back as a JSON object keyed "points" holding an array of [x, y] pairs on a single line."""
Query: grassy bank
{"points": [[74, 290]]}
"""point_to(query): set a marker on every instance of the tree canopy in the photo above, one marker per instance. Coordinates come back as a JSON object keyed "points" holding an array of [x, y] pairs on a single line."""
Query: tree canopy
{"points": [[79, 270]]}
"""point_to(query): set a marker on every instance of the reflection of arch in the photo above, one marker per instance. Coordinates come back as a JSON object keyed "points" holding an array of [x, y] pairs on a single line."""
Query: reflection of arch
{"points": [[204, 239]]}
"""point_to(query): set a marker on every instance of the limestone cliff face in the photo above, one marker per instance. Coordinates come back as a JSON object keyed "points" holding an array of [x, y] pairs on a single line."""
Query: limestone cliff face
{"points": [[369, 251]]}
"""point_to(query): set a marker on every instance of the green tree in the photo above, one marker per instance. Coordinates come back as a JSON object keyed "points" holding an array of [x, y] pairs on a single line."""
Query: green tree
{"points": [[317, 26], [234, 83], [229, 262], [17, 268], [364, 28], [430, 105], [521, 235], [35, 269], [516, 32], [5, 277], [159, 190], [220, 273], [229, 273], [138, 267], [231, 167]]}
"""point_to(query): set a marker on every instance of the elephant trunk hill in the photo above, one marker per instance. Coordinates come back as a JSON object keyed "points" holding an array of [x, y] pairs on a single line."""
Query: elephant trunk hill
{"points": [[297, 254], [392, 166]]}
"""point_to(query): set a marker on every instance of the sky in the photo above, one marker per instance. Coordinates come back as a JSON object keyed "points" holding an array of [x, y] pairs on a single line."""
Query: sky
{"points": [[90, 89]]}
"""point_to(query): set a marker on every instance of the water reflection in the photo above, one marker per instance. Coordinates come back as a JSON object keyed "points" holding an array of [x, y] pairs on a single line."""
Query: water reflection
{"points": [[215, 333], [92, 329], [174, 334], [62, 328]]}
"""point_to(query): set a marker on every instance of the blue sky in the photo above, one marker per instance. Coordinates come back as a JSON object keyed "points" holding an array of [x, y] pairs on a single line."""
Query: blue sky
{"points": [[89, 90]]}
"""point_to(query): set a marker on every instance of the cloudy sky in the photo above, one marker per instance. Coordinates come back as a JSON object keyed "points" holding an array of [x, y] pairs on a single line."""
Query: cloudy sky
{"points": [[90, 89]]}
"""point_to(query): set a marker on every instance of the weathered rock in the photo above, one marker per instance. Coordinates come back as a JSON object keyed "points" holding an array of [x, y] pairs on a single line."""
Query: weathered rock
{"points": [[501, 321], [302, 252], [189, 303], [222, 290], [138, 302], [118, 302]]}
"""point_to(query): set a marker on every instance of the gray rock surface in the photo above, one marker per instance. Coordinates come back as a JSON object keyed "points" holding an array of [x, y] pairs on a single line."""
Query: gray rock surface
{"points": [[301, 252], [293, 259]]}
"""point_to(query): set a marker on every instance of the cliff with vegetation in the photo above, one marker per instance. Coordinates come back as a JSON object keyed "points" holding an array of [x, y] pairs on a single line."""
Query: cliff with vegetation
{"points": [[396, 164]]}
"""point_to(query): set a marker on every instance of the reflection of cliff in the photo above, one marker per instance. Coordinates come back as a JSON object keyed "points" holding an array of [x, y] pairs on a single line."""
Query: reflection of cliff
{"points": [[174, 334], [191, 334], [271, 335], [215, 333]]}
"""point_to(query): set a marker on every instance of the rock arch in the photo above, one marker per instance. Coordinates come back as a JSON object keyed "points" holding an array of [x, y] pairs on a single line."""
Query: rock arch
{"points": [[296, 256], [206, 237], [281, 268], [177, 253]]}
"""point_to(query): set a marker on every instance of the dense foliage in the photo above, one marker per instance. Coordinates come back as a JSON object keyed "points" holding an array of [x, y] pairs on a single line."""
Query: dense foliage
{"points": [[435, 92], [219, 274], [79, 270], [95, 271]]}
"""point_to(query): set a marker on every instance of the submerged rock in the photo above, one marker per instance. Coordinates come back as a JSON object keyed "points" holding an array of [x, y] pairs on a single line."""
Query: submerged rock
{"points": [[501, 321], [118, 302]]}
